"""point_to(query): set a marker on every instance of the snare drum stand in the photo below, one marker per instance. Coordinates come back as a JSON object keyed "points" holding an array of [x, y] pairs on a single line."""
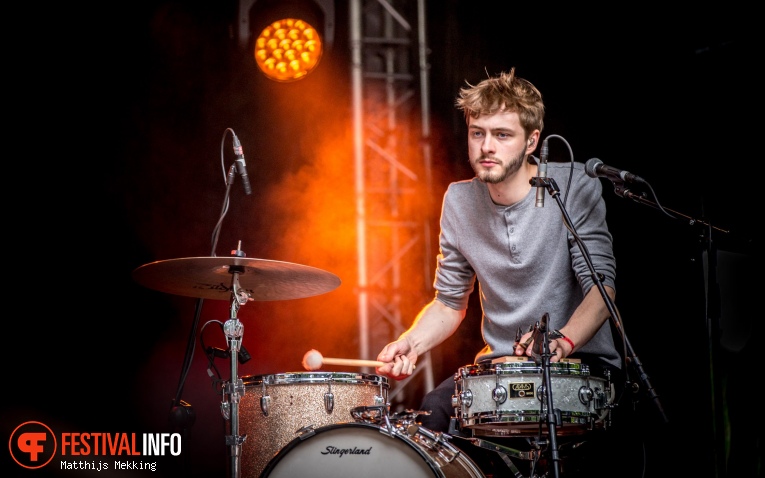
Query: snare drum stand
{"points": [[234, 389]]}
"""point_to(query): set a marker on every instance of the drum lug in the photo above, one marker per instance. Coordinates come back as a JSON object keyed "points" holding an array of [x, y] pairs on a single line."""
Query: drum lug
{"points": [[329, 402], [586, 395], [602, 399], [465, 397], [541, 393], [265, 402], [499, 395]]}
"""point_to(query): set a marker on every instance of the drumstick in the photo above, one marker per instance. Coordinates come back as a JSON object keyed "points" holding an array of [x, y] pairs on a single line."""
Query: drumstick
{"points": [[313, 360]]}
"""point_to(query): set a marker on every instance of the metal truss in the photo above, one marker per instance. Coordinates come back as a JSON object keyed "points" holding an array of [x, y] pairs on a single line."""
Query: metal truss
{"points": [[393, 182]]}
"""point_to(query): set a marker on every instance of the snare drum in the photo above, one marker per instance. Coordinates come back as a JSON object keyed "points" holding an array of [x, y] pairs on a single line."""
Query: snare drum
{"points": [[274, 407], [508, 399], [371, 451]]}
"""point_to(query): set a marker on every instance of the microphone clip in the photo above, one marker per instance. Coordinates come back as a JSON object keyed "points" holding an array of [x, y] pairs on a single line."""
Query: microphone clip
{"points": [[545, 182]]}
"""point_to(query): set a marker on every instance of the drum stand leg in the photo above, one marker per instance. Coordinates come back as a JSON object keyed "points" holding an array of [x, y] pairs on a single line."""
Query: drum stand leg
{"points": [[234, 389], [505, 453]]}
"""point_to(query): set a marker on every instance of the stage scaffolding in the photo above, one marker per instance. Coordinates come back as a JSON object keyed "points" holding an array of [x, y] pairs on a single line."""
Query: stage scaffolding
{"points": [[393, 181]]}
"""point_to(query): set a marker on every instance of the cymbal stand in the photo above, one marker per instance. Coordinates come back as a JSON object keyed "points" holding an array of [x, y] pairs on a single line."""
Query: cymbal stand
{"points": [[234, 389]]}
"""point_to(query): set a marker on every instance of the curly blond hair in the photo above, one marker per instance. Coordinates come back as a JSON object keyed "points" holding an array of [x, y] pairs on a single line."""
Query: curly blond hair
{"points": [[505, 92]]}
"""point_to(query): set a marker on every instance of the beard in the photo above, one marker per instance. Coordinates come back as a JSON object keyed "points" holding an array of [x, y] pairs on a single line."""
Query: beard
{"points": [[497, 175]]}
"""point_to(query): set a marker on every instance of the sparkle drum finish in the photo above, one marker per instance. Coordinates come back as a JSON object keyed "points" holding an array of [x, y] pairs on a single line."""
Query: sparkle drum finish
{"points": [[274, 408], [508, 399]]}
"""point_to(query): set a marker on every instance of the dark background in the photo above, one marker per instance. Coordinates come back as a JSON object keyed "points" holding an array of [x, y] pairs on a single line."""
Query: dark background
{"points": [[115, 126]]}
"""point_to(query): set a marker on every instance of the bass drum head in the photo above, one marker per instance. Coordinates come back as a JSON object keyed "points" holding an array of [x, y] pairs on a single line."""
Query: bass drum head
{"points": [[355, 450]]}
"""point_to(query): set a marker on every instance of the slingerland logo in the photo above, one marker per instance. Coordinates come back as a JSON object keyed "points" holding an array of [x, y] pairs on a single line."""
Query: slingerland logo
{"points": [[34, 445]]}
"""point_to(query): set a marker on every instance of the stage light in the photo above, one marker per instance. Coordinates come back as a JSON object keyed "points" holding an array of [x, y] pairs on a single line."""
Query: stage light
{"points": [[288, 49], [287, 38]]}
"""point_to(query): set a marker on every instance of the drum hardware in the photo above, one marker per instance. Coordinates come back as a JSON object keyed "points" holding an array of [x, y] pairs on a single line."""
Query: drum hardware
{"points": [[499, 394], [239, 280], [505, 453], [363, 449], [406, 423], [329, 399], [306, 431], [443, 451], [531, 455], [463, 398], [265, 401], [373, 414], [512, 398], [409, 415]]}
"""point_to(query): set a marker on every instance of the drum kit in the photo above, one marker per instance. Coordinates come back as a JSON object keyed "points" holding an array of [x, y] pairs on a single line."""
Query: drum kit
{"points": [[337, 424]]}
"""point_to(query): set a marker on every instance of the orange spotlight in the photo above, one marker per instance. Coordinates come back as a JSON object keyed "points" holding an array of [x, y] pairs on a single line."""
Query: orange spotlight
{"points": [[288, 49], [290, 36]]}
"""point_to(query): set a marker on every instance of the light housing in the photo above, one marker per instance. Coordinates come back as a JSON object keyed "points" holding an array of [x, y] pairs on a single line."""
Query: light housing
{"points": [[287, 38]]}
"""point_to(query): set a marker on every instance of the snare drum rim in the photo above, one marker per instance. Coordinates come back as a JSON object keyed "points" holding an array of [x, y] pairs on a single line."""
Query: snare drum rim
{"points": [[525, 367], [289, 378], [525, 416]]}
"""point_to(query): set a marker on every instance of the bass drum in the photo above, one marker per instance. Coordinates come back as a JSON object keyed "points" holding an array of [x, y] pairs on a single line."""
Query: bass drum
{"points": [[370, 451], [276, 407]]}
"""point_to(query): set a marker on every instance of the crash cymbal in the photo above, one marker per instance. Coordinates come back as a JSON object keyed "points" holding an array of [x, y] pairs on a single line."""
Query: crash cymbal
{"points": [[210, 278]]}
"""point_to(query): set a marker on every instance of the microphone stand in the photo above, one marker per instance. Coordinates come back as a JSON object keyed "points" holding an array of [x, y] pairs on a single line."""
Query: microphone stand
{"points": [[631, 358], [713, 314], [621, 191], [553, 416], [182, 414]]}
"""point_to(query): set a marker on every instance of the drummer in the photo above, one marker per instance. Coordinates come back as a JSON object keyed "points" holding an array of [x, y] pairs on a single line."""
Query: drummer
{"points": [[524, 259]]}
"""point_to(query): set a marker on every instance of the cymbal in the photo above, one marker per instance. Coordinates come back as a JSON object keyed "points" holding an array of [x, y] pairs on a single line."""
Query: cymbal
{"points": [[210, 278]]}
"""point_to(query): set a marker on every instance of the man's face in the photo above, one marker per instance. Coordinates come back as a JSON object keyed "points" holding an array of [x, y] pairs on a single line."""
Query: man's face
{"points": [[496, 146]]}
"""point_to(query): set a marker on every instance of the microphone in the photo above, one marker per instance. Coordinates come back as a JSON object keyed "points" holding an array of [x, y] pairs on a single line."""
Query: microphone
{"points": [[241, 166], [542, 173], [595, 168], [243, 355], [543, 324], [539, 336]]}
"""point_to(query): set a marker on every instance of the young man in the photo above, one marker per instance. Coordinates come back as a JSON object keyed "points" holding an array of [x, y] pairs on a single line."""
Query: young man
{"points": [[525, 260]]}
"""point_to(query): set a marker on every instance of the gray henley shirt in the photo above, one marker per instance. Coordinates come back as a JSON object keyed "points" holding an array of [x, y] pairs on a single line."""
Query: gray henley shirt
{"points": [[524, 259]]}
